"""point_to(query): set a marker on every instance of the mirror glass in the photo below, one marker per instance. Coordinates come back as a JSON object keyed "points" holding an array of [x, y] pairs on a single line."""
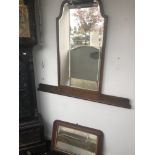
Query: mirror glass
{"points": [[72, 141], [80, 45]]}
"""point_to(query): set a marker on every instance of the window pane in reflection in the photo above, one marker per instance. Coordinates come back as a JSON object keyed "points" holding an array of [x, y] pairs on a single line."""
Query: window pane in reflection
{"points": [[86, 27]]}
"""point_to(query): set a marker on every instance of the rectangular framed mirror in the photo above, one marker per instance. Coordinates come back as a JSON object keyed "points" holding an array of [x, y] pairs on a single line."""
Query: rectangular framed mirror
{"points": [[73, 139]]}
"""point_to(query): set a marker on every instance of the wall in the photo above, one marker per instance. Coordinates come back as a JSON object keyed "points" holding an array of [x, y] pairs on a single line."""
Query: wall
{"points": [[116, 123]]}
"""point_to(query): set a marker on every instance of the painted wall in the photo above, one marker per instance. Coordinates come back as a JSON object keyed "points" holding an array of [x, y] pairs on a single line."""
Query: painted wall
{"points": [[116, 123]]}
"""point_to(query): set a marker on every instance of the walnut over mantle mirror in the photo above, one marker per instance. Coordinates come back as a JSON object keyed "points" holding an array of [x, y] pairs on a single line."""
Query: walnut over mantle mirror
{"points": [[81, 37]]}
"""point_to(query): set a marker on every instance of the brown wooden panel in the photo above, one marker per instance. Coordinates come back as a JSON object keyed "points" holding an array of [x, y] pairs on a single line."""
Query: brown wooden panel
{"points": [[86, 95]]}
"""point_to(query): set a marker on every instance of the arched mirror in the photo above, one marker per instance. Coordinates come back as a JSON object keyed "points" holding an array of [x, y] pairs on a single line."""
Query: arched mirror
{"points": [[81, 28], [81, 35]]}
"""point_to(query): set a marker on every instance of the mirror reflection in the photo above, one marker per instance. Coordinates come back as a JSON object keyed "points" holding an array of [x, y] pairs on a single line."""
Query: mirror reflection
{"points": [[72, 141], [80, 46]]}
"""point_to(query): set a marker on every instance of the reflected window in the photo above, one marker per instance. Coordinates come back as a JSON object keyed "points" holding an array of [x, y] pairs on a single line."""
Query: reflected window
{"points": [[86, 27]]}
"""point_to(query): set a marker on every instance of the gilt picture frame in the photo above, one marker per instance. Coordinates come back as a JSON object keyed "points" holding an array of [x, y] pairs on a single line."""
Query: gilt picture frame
{"points": [[27, 23], [24, 27], [69, 139]]}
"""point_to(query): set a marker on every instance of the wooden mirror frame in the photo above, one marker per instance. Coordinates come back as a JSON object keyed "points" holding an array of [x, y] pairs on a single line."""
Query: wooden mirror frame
{"points": [[102, 50], [99, 135], [85, 94]]}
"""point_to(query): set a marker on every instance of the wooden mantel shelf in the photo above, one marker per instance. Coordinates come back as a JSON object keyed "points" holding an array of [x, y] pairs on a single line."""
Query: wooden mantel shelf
{"points": [[86, 95]]}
